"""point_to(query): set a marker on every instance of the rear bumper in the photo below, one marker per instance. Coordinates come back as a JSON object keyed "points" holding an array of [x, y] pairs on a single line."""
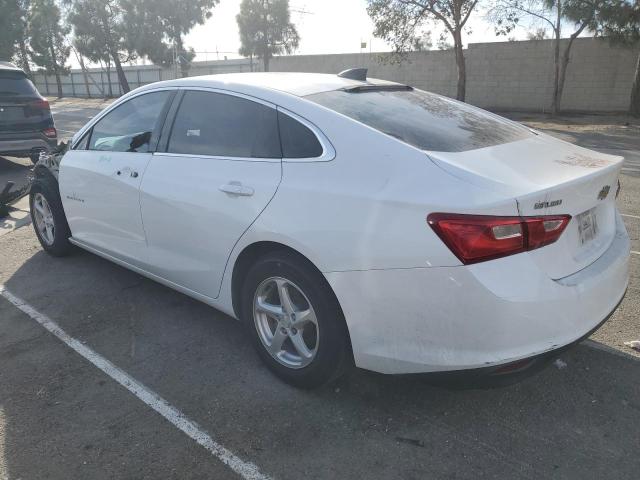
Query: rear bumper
{"points": [[481, 316], [24, 144]]}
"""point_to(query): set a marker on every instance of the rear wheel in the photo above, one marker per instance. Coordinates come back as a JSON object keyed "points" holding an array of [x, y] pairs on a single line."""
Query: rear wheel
{"points": [[295, 320], [48, 218]]}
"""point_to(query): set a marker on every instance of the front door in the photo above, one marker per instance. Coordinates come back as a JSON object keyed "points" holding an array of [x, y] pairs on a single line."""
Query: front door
{"points": [[221, 168], [100, 179]]}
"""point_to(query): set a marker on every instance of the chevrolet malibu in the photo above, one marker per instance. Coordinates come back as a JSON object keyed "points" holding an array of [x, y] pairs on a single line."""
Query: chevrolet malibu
{"points": [[347, 220]]}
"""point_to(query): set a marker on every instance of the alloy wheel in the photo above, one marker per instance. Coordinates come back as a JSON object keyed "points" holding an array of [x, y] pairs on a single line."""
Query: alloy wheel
{"points": [[286, 322]]}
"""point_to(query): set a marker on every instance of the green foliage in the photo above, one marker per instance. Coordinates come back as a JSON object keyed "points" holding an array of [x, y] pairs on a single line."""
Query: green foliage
{"points": [[9, 30], [100, 30], [266, 29], [401, 22], [48, 37], [158, 27]]}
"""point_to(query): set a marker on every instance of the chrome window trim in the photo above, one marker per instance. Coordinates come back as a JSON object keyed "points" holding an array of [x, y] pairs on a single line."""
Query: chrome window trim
{"points": [[219, 157], [328, 152]]}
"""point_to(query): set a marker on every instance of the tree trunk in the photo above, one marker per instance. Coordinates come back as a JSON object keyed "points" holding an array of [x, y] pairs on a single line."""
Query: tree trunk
{"points": [[124, 83], [461, 66], [182, 59], [55, 68], [634, 107], [265, 61], [24, 57], [83, 67]]}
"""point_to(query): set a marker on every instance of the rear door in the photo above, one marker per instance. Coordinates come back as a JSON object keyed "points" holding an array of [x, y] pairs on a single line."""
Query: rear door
{"points": [[220, 168], [100, 179]]}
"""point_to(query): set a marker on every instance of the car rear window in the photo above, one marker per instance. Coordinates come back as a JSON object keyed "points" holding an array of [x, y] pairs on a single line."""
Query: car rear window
{"points": [[424, 120], [16, 83]]}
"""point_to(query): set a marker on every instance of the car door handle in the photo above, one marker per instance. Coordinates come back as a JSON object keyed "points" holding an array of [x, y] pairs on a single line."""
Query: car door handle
{"points": [[127, 170], [236, 188]]}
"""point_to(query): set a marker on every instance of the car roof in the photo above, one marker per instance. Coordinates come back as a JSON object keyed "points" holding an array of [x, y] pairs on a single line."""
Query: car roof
{"points": [[8, 66], [294, 83]]}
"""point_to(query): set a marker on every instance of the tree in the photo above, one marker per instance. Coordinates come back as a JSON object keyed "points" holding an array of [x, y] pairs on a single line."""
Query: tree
{"points": [[14, 32], [48, 44], [100, 29], [158, 28], [9, 28], [266, 29], [555, 14], [399, 21], [619, 21]]}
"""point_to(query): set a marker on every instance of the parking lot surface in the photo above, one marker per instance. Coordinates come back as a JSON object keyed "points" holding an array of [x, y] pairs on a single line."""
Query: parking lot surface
{"points": [[61, 417]]}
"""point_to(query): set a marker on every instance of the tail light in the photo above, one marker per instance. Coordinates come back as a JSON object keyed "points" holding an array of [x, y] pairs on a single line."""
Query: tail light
{"points": [[477, 238], [38, 107], [50, 132]]}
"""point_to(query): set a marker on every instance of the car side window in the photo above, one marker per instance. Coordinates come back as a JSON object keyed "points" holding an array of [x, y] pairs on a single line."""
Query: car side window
{"points": [[298, 141], [129, 127], [217, 124], [84, 143]]}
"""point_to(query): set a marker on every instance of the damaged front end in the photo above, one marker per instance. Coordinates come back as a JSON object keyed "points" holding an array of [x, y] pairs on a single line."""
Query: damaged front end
{"points": [[49, 162]]}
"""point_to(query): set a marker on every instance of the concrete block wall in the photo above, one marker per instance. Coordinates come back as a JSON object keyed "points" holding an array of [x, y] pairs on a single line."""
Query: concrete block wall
{"points": [[516, 76]]}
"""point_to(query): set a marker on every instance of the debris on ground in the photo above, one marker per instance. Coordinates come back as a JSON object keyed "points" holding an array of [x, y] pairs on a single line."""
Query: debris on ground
{"points": [[560, 364], [635, 344]]}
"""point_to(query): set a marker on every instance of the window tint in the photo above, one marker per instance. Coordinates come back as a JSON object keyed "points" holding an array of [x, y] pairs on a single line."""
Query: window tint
{"points": [[424, 120], [16, 83], [129, 127], [297, 140], [210, 123]]}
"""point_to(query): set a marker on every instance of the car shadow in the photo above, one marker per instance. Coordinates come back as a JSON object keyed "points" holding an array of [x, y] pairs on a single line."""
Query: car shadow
{"points": [[14, 170], [576, 420]]}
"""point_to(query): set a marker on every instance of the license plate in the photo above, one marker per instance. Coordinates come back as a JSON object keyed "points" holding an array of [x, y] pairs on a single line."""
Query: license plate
{"points": [[587, 226]]}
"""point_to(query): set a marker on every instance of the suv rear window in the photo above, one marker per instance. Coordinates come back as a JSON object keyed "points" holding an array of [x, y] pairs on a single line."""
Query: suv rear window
{"points": [[424, 120], [15, 83]]}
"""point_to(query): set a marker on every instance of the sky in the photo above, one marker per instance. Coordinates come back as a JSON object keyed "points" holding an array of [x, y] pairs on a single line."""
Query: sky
{"points": [[325, 26]]}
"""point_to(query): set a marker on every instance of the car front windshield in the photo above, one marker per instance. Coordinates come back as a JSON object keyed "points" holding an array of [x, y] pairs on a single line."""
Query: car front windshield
{"points": [[424, 120]]}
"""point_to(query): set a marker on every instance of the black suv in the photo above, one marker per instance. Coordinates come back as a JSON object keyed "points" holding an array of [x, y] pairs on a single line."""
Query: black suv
{"points": [[26, 124]]}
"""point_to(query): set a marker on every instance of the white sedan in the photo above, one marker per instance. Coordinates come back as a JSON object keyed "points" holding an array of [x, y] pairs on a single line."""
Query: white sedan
{"points": [[347, 220]]}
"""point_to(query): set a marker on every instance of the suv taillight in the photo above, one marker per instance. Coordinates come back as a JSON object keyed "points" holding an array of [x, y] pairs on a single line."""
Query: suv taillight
{"points": [[39, 107], [50, 132], [477, 238]]}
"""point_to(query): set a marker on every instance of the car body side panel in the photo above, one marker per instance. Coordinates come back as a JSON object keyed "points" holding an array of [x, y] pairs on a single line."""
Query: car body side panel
{"points": [[367, 208]]}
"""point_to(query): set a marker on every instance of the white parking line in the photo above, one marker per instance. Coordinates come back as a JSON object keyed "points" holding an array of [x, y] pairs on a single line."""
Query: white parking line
{"points": [[630, 216], [635, 253], [246, 470]]}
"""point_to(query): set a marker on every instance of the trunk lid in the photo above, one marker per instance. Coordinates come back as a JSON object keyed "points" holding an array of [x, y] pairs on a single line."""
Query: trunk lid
{"points": [[546, 176]]}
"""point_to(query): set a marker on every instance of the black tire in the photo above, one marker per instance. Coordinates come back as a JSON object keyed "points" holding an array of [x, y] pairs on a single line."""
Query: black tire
{"points": [[48, 187], [333, 356]]}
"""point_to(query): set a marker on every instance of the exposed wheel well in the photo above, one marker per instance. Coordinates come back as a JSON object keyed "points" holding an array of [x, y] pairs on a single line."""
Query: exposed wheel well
{"points": [[249, 255]]}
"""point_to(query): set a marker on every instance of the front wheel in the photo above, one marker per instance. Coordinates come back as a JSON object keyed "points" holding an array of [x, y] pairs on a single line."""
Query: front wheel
{"points": [[295, 320], [49, 220]]}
